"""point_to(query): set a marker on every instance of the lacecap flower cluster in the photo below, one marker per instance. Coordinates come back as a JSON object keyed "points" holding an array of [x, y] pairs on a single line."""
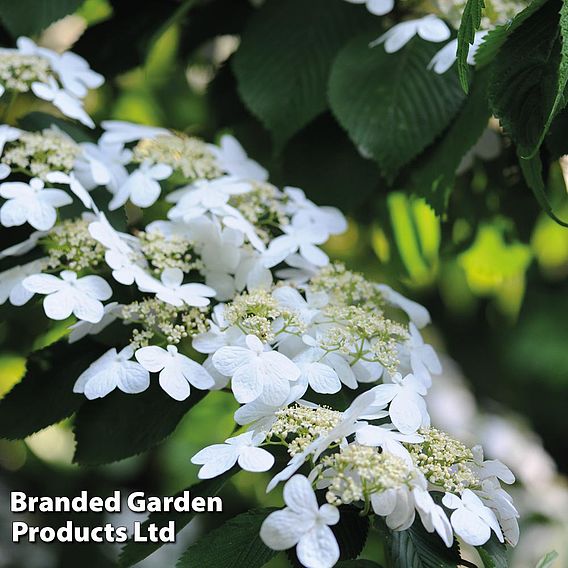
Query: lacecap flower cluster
{"points": [[229, 288]]}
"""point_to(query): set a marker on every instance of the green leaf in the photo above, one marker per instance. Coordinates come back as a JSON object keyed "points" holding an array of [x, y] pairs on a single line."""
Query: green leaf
{"points": [[134, 552], [122, 425], [470, 22], [283, 63], [45, 395], [547, 561], [493, 554], [29, 17], [532, 172], [391, 105], [357, 564], [434, 174], [35, 121], [351, 532], [233, 545], [417, 548], [529, 76]]}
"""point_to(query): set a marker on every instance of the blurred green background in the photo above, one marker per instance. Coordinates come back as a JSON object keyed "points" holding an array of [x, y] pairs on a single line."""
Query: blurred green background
{"points": [[493, 273]]}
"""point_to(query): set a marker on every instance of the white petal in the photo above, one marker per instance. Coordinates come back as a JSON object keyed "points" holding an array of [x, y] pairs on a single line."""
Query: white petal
{"points": [[314, 255], [433, 29], [299, 495], [222, 459], [134, 378], [195, 373], [95, 286], [152, 358], [43, 283], [323, 379], [255, 459], [174, 383], [88, 309], [228, 359], [281, 366], [60, 305], [101, 384], [470, 527], [246, 383], [283, 529], [318, 548], [405, 414], [13, 214], [329, 514]]}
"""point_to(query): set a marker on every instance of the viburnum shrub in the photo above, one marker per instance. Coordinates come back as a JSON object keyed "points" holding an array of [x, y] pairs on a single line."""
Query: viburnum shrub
{"points": [[181, 269]]}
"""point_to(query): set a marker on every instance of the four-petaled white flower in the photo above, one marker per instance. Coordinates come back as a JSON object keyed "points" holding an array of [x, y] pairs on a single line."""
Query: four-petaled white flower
{"points": [[423, 359], [177, 371], [141, 186], [242, 449], [233, 160], [433, 517], [11, 280], [376, 7], [74, 185], [70, 295], [302, 523], [122, 132], [486, 469], [429, 28], [471, 519], [31, 202], [83, 328], [256, 372], [170, 289], [113, 370]]}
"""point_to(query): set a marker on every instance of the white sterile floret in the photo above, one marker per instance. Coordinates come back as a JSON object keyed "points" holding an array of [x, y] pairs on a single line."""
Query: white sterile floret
{"points": [[141, 186], [233, 160], [407, 409], [418, 314], [424, 361], [81, 329], [471, 519], [321, 377], [376, 7], [485, 469], [102, 164], [429, 28], [22, 248], [388, 439], [433, 517], [301, 238], [242, 449], [177, 371], [8, 134], [170, 289], [31, 202], [257, 371], [11, 280], [62, 100], [69, 294], [122, 132], [74, 185], [447, 56], [302, 523], [113, 370]]}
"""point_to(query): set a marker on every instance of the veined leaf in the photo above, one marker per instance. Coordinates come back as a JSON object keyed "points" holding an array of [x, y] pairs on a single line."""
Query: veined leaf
{"points": [[45, 395], [470, 22], [235, 544], [122, 425], [283, 63], [529, 76], [29, 17], [134, 552], [547, 561], [391, 105], [493, 553]]}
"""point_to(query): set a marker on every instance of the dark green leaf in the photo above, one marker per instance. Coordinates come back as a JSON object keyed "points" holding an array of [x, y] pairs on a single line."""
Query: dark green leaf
{"points": [[122, 425], [493, 554], [351, 532], [283, 63], [29, 17], [45, 395], [547, 561], [35, 121], [435, 172], [470, 22], [235, 544], [417, 548], [357, 564], [532, 172], [392, 105], [529, 77], [134, 552]]}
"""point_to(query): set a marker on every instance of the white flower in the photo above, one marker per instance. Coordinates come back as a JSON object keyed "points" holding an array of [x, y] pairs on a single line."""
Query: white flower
{"points": [[74, 185], [8, 134], [418, 314], [321, 377], [75, 74], [257, 373], [177, 371], [303, 524], [242, 449], [387, 438], [233, 160], [61, 99], [300, 238], [110, 371], [172, 290], [81, 329], [206, 195], [447, 56], [485, 469], [218, 335], [407, 408], [141, 187], [11, 282], [306, 212], [70, 295], [25, 246], [308, 308], [472, 520], [429, 28], [31, 203], [121, 132], [5, 171], [487, 148], [376, 7], [396, 505], [251, 272], [300, 272], [432, 515], [102, 164], [423, 358]]}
